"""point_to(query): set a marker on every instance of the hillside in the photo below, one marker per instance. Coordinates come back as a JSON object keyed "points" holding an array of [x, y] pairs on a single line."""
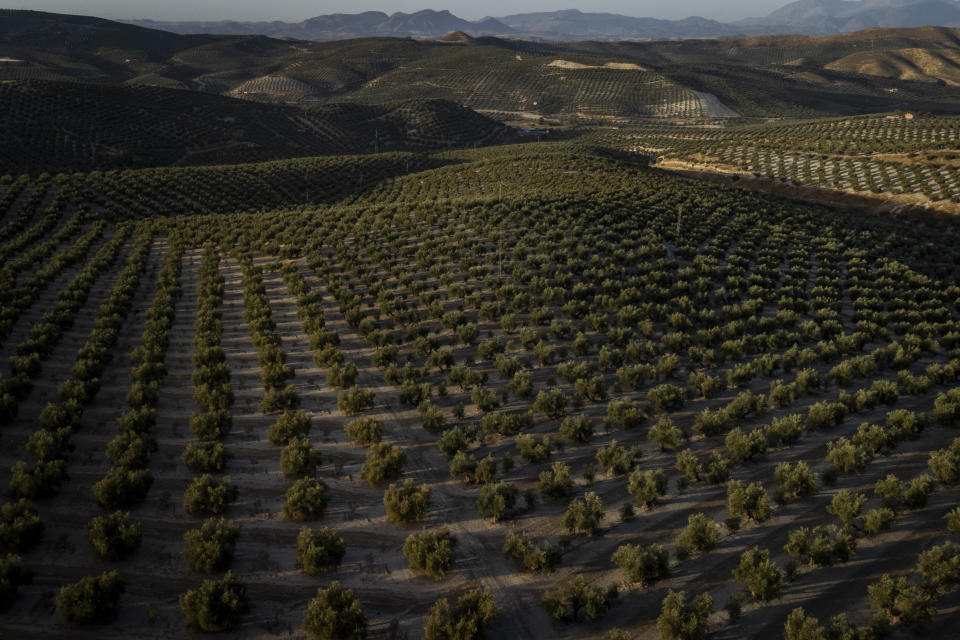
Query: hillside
{"points": [[306, 340], [588, 81], [500, 376], [54, 126]]}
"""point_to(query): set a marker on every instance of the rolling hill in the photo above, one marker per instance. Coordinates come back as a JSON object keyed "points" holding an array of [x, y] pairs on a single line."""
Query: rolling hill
{"points": [[59, 126]]}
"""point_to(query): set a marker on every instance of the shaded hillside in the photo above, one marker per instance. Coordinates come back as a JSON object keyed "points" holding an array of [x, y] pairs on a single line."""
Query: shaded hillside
{"points": [[51, 126]]}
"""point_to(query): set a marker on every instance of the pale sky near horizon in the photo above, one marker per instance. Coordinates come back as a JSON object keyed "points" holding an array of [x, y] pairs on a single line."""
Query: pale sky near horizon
{"points": [[296, 10]]}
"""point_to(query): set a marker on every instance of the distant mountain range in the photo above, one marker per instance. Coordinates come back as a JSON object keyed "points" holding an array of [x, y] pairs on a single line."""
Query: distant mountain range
{"points": [[809, 17]]}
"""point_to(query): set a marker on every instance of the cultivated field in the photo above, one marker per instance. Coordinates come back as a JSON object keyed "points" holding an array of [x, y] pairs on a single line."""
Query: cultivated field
{"points": [[552, 387]]}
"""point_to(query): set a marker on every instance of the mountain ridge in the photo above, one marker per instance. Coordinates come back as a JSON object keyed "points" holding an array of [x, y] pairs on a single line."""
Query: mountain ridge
{"points": [[802, 17]]}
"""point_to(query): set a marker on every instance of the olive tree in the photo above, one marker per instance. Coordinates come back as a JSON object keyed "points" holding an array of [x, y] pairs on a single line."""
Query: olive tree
{"points": [[680, 619], [335, 614], [319, 551], [761, 574], [90, 600], [211, 547], [216, 605], [430, 552], [113, 536]]}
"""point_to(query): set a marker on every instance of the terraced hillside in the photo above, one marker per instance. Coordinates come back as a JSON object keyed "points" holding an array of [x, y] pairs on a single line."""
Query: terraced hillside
{"points": [[562, 394]]}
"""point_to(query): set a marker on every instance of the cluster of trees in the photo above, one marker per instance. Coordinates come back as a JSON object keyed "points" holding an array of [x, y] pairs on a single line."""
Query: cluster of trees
{"points": [[905, 599], [115, 536], [274, 370], [112, 536], [16, 299], [48, 446]]}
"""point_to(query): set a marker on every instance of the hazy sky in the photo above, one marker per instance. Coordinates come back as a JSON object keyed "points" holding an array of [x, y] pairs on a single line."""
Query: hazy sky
{"points": [[296, 10]]}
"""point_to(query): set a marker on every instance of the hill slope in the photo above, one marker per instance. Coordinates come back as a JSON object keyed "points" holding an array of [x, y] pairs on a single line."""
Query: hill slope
{"points": [[52, 126]]}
